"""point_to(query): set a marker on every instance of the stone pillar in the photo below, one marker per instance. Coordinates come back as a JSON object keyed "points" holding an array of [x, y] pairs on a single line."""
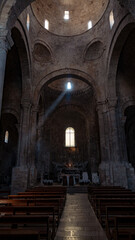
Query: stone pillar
{"points": [[23, 149], [103, 130], [129, 168], [32, 152], [104, 173], [113, 133], [5, 44], [112, 171], [88, 144], [20, 173]]}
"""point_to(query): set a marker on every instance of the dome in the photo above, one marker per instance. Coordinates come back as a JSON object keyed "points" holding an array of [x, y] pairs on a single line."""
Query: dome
{"points": [[69, 17]]}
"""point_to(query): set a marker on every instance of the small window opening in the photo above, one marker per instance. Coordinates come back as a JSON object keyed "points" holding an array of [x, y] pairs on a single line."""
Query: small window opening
{"points": [[89, 24], [66, 15], [70, 137], [69, 86], [6, 137], [28, 22], [111, 19], [46, 25]]}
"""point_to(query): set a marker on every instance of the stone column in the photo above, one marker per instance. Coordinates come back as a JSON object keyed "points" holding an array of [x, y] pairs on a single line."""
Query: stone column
{"points": [[5, 44], [123, 140], [103, 128], [113, 133], [112, 171], [88, 144], [104, 171], [20, 173], [32, 150], [23, 149]]}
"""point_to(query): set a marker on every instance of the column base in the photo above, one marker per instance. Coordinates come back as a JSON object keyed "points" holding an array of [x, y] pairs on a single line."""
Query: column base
{"points": [[32, 176], [19, 179], [114, 174]]}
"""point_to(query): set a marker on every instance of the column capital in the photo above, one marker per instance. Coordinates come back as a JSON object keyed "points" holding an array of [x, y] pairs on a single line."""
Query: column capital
{"points": [[102, 106], [6, 41], [35, 108], [26, 104], [112, 102]]}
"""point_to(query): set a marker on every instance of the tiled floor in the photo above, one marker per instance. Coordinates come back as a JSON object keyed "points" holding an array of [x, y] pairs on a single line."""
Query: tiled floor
{"points": [[78, 221]]}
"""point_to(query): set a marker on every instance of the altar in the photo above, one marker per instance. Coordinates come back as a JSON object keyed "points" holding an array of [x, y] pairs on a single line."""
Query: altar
{"points": [[70, 179], [70, 176], [69, 173]]}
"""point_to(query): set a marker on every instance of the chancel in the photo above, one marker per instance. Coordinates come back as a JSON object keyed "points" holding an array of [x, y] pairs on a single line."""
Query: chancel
{"points": [[67, 99]]}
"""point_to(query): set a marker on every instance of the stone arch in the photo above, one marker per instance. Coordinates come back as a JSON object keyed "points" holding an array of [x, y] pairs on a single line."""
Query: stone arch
{"points": [[10, 10], [8, 149], [84, 77], [12, 111], [126, 104], [24, 58], [119, 39], [120, 78], [42, 52], [94, 50]]}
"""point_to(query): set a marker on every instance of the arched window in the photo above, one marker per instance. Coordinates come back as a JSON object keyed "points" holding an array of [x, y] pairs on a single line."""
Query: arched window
{"points": [[6, 137], [70, 137]]}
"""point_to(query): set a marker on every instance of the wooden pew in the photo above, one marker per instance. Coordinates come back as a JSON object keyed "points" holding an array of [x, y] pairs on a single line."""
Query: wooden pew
{"points": [[104, 188], [32, 210], [113, 211], [112, 195], [94, 198], [43, 193], [15, 234], [101, 204], [38, 223], [123, 225], [35, 202], [59, 189], [36, 196], [40, 200]]}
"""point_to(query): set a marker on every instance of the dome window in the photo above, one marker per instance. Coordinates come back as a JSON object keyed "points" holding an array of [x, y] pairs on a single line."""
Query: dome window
{"points": [[46, 25], [111, 19], [6, 137], [66, 15], [28, 22], [89, 24]]}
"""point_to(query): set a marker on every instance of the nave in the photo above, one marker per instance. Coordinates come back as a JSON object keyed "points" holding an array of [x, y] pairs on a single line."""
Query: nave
{"points": [[78, 221], [61, 213]]}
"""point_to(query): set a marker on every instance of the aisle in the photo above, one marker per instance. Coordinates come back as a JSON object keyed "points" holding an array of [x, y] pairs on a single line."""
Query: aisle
{"points": [[78, 221]]}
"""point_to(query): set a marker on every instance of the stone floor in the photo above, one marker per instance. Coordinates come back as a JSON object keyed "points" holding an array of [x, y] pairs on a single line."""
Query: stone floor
{"points": [[78, 221]]}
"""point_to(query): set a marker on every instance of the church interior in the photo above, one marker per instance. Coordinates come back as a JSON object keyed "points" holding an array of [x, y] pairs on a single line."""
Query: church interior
{"points": [[67, 104]]}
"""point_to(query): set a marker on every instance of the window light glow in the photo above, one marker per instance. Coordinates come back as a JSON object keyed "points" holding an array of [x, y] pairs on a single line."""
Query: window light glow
{"points": [[70, 137], [28, 22], [111, 19], [46, 24], [66, 15], [69, 86], [89, 24], [6, 137]]}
